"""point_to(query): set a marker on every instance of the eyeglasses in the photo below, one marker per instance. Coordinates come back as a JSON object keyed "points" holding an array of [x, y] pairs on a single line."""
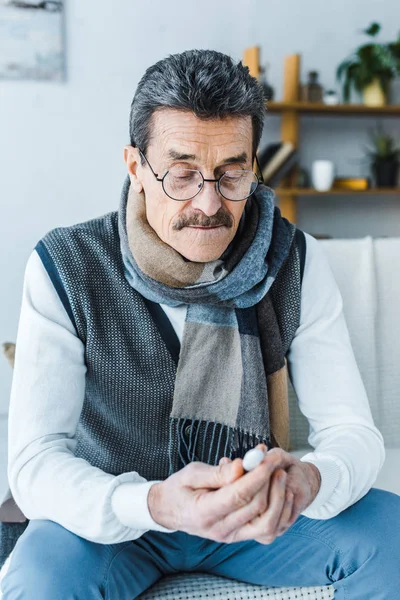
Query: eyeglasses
{"points": [[184, 184]]}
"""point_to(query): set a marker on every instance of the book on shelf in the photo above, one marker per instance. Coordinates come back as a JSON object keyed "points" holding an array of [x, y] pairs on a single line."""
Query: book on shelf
{"points": [[351, 183], [273, 157], [265, 155], [284, 169]]}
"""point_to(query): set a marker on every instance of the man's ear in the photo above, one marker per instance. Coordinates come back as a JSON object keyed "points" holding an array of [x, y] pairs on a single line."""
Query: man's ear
{"points": [[132, 160]]}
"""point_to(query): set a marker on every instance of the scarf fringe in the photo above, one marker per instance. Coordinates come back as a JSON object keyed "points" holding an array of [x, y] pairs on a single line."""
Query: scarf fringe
{"points": [[207, 441]]}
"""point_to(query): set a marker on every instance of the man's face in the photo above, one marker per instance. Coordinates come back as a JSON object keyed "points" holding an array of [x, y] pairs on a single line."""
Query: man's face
{"points": [[201, 228]]}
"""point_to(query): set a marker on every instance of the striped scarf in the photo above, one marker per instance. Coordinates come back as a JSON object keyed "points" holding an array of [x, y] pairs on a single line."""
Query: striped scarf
{"points": [[231, 383]]}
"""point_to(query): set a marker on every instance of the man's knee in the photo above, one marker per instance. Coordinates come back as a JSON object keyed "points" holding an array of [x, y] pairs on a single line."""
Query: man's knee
{"points": [[383, 509], [51, 562], [379, 509], [371, 524]]}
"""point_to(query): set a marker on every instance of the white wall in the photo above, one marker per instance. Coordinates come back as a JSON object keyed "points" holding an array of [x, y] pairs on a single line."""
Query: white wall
{"points": [[61, 144]]}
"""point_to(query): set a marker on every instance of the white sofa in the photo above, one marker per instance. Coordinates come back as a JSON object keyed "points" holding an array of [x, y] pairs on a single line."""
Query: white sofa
{"points": [[366, 271]]}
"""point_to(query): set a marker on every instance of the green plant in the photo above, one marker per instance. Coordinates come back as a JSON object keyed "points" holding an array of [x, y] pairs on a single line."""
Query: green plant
{"points": [[384, 147], [368, 62]]}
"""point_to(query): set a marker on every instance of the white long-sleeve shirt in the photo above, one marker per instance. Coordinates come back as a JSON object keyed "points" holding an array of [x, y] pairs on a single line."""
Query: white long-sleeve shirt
{"points": [[49, 482]]}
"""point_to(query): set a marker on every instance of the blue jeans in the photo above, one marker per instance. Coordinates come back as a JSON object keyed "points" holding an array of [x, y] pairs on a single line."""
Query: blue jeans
{"points": [[357, 551]]}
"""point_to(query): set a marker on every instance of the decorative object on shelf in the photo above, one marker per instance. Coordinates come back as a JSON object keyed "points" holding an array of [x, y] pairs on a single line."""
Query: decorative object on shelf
{"points": [[311, 91], [351, 183], [330, 97], [31, 44], [269, 91], [322, 175], [251, 59], [373, 95], [370, 69], [303, 179], [384, 158]]}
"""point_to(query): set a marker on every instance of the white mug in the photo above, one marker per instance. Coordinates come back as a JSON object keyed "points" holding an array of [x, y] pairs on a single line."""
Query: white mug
{"points": [[322, 175]]}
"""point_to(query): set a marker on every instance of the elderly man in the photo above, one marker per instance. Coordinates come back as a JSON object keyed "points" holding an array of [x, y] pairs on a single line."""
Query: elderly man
{"points": [[151, 355]]}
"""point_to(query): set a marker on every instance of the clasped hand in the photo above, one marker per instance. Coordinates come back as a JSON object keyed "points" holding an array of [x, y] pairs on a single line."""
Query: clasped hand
{"points": [[227, 504]]}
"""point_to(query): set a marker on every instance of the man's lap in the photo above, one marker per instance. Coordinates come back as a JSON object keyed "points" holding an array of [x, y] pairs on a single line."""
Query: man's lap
{"points": [[316, 552], [311, 552]]}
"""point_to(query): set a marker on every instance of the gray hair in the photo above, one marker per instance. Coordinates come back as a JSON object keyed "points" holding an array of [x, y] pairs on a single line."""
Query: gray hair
{"points": [[208, 83]]}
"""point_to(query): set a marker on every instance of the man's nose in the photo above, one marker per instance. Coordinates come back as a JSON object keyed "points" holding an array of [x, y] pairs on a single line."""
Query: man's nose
{"points": [[208, 200]]}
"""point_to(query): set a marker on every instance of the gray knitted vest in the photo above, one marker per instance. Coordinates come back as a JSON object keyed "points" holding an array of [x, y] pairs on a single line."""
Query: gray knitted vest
{"points": [[131, 349]]}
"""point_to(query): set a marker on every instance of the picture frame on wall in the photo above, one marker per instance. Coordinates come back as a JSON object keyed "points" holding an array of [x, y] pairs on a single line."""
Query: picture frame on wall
{"points": [[32, 40]]}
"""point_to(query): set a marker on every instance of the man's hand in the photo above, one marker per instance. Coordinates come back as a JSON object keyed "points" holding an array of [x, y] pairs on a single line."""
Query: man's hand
{"points": [[226, 504], [292, 489]]}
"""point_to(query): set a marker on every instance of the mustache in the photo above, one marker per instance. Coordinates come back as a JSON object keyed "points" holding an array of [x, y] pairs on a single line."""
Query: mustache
{"points": [[200, 220]]}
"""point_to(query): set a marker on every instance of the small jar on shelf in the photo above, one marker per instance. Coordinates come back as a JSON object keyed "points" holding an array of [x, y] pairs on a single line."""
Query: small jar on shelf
{"points": [[311, 91]]}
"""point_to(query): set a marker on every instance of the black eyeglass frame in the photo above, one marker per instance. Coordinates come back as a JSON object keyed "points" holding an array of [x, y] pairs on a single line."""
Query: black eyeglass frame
{"points": [[260, 180]]}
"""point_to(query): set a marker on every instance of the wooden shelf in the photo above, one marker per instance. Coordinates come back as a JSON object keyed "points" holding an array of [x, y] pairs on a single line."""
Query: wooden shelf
{"points": [[291, 111], [338, 109], [335, 192]]}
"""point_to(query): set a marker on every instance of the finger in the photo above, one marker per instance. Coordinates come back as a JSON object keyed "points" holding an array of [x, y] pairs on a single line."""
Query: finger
{"points": [[284, 522], [225, 460], [265, 525], [241, 492], [286, 460], [295, 513], [227, 526], [236, 519], [262, 447], [277, 497], [200, 475]]}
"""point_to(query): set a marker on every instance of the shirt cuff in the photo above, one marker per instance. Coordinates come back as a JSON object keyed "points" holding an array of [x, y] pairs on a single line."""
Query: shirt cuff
{"points": [[330, 477], [129, 503]]}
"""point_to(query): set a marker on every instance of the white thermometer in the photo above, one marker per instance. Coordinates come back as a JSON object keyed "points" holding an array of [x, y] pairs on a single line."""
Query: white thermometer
{"points": [[253, 458]]}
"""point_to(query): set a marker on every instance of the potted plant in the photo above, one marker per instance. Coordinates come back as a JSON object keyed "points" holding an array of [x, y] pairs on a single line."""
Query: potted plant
{"points": [[370, 69], [384, 158]]}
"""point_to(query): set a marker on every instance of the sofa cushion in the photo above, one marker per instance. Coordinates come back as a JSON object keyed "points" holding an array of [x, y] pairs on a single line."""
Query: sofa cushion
{"points": [[200, 586]]}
